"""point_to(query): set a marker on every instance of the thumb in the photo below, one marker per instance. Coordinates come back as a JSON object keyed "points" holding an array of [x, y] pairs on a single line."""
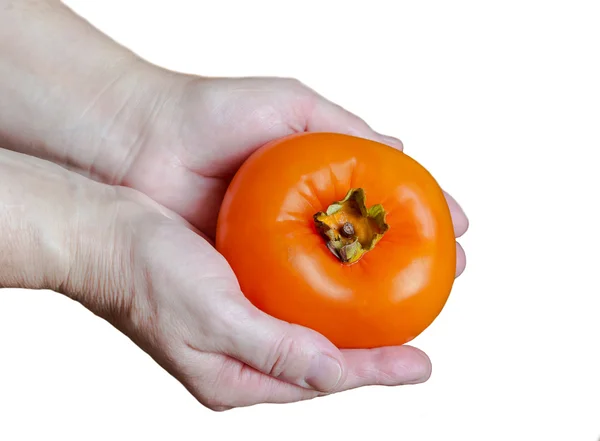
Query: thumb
{"points": [[282, 350]]}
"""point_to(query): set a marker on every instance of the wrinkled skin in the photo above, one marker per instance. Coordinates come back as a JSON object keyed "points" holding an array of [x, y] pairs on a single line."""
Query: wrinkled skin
{"points": [[164, 146], [217, 125]]}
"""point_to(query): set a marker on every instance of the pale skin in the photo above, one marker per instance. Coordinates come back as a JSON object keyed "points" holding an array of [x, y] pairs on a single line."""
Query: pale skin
{"points": [[112, 172]]}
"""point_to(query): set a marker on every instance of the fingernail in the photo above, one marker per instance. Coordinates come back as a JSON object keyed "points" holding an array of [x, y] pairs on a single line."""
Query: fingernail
{"points": [[420, 377], [324, 374], [421, 371], [390, 140]]}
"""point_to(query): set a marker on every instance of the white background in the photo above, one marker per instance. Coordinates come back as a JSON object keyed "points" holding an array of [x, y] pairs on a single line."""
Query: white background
{"points": [[501, 102]]}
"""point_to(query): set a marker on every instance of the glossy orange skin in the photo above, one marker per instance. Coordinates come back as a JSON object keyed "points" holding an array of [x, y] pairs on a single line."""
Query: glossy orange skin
{"points": [[266, 232]]}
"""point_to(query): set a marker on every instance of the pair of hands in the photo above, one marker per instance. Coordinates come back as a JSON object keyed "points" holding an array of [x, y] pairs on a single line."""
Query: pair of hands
{"points": [[137, 238]]}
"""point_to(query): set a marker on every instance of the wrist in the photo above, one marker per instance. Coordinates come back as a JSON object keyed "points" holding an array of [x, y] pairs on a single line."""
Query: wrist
{"points": [[63, 232], [107, 258], [71, 94], [35, 214]]}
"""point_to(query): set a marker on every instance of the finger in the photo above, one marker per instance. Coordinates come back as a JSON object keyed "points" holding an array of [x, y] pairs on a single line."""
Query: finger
{"points": [[281, 350], [459, 218], [387, 366], [461, 260], [239, 385], [233, 326], [326, 116]]}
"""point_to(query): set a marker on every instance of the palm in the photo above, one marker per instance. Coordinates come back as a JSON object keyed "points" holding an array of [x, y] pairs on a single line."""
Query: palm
{"points": [[187, 166], [191, 317], [214, 128]]}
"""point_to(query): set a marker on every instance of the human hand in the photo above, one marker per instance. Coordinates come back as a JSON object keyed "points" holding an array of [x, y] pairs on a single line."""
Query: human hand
{"points": [[145, 270], [179, 142], [194, 192], [208, 127], [179, 300], [167, 288], [119, 119]]}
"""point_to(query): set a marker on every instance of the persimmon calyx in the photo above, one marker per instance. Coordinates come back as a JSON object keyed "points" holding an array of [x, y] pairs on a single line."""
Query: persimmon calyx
{"points": [[349, 228]]}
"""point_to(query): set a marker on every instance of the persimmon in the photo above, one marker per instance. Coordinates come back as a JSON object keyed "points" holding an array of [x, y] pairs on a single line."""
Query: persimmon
{"points": [[343, 235]]}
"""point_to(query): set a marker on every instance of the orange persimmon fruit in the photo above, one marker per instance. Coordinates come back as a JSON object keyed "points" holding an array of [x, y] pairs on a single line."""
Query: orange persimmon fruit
{"points": [[343, 235]]}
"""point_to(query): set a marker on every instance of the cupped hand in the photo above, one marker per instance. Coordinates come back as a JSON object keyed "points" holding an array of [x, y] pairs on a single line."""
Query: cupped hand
{"points": [[154, 273], [147, 271], [175, 141], [205, 332], [165, 286], [202, 130]]}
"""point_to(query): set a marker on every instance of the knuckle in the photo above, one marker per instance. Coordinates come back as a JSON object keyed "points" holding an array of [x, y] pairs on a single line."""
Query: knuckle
{"points": [[207, 380], [297, 86], [216, 406], [214, 395], [215, 402], [284, 357], [293, 82]]}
